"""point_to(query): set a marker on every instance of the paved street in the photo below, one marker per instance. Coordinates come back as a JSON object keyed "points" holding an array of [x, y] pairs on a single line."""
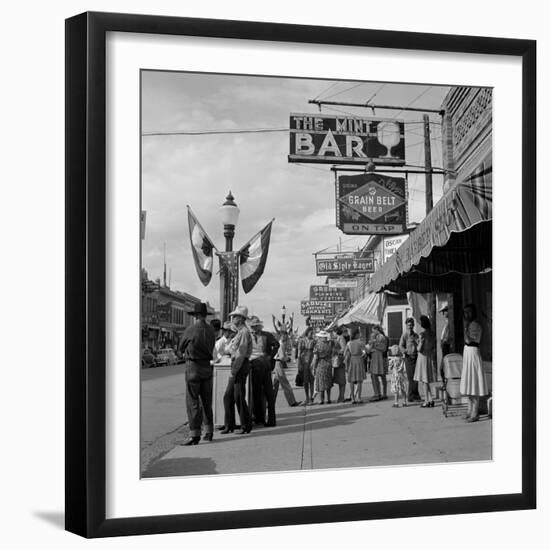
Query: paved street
{"points": [[318, 436]]}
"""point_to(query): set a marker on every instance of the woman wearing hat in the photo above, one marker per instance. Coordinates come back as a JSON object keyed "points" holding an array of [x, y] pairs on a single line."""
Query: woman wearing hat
{"points": [[322, 365]]}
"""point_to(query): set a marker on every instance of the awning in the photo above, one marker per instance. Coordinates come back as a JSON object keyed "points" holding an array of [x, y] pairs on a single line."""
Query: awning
{"points": [[368, 311], [455, 238]]}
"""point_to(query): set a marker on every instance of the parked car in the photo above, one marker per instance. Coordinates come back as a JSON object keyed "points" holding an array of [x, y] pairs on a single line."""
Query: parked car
{"points": [[148, 360], [168, 356]]}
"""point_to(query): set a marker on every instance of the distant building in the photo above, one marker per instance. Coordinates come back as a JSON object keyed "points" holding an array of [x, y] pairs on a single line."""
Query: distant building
{"points": [[164, 315]]}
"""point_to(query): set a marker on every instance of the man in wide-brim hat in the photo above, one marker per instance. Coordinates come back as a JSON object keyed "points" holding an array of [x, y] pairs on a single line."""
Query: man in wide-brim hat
{"points": [[240, 350], [264, 348], [197, 346]]}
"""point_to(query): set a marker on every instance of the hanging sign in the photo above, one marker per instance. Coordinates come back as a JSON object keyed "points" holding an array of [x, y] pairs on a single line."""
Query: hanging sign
{"points": [[342, 266], [371, 204], [342, 283], [391, 244], [308, 307], [323, 293], [346, 140]]}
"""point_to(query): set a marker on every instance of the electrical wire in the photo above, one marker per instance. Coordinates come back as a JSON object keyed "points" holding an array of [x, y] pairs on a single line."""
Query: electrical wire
{"points": [[215, 132]]}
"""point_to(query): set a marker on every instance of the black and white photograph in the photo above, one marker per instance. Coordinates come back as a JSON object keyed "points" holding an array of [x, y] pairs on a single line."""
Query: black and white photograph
{"points": [[316, 274]]}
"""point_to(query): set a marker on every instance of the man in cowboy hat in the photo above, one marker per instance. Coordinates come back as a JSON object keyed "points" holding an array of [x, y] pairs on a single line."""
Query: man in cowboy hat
{"points": [[197, 345], [264, 348], [240, 350]]}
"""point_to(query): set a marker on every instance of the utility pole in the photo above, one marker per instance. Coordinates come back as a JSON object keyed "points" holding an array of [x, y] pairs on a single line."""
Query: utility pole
{"points": [[428, 164], [432, 308]]}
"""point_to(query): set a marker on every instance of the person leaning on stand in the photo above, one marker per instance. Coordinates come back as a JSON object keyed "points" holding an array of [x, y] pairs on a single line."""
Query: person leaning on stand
{"points": [[240, 350], [472, 383], [196, 345], [408, 345], [262, 363]]}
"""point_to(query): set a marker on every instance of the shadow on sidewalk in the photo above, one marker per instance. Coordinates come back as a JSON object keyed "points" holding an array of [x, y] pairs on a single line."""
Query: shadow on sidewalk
{"points": [[297, 421], [183, 466]]}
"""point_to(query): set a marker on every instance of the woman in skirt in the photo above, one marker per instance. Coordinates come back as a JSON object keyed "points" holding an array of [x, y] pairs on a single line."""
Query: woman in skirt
{"points": [[424, 373], [472, 383], [378, 346], [304, 354], [322, 365], [354, 359], [339, 372]]}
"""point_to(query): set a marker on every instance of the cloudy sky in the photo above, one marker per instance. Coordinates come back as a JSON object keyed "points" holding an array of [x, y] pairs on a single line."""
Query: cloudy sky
{"points": [[199, 170]]}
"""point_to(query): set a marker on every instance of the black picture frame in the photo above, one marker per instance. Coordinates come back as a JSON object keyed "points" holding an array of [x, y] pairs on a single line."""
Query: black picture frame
{"points": [[86, 276]]}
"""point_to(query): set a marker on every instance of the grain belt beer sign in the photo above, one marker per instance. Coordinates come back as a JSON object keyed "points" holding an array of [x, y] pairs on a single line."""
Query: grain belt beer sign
{"points": [[371, 204], [346, 140], [323, 293], [341, 266]]}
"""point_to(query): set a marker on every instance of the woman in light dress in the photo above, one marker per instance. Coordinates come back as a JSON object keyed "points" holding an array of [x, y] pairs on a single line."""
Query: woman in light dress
{"points": [[472, 383], [354, 360], [322, 366], [424, 373]]}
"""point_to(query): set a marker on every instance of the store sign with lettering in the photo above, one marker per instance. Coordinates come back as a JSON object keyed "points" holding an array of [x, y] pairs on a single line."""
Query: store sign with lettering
{"points": [[340, 266], [391, 244], [307, 307], [342, 283], [371, 204], [324, 293], [346, 140]]}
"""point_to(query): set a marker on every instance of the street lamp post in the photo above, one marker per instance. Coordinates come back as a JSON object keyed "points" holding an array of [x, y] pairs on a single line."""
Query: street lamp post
{"points": [[229, 266]]}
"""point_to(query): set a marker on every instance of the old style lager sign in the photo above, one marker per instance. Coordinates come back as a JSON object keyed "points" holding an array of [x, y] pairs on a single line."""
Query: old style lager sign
{"points": [[343, 266], [346, 140], [371, 204], [323, 293]]}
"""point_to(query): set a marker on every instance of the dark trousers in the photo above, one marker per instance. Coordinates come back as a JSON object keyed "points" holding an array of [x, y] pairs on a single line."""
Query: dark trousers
{"points": [[412, 386], [198, 378], [235, 394], [262, 390], [375, 379]]}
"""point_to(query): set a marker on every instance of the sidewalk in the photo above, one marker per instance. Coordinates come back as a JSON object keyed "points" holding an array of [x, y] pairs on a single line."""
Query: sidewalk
{"points": [[334, 436]]}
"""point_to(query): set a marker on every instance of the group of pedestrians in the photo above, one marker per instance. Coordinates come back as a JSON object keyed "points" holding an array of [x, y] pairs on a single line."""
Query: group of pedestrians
{"points": [[339, 359], [250, 351], [324, 360]]}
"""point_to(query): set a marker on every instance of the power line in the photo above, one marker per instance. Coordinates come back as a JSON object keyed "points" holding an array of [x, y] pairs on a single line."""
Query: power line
{"points": [[215, 132]]}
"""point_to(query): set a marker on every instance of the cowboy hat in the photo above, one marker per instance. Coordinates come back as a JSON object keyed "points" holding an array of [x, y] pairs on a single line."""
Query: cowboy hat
{"points": [[241, 311], [444, 307], [199, 309], [323, 334], [255, 321]]}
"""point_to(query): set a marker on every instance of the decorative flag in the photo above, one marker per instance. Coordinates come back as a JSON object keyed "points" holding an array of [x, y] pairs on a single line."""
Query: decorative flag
{"points": [[253, 256], [202, 248]]}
